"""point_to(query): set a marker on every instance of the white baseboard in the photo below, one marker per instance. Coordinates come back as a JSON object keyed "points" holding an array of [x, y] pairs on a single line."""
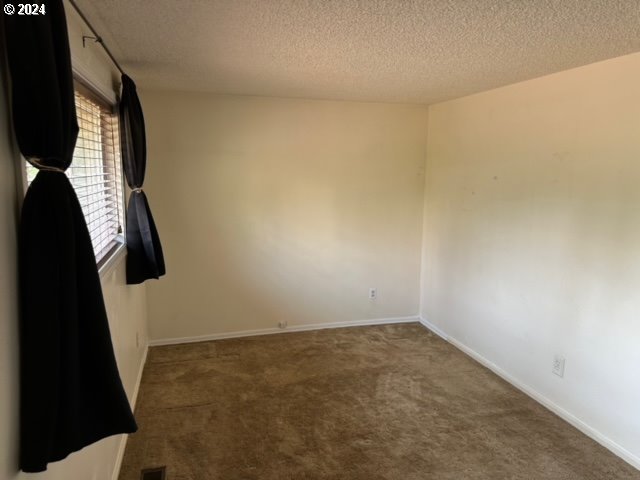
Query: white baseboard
{"points": [[290, 328], [589, 431], [134, 398], [430, 326]]}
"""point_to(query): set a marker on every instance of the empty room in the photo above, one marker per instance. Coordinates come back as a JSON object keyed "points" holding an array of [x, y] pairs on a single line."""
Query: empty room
{"points": [[320, 239]]}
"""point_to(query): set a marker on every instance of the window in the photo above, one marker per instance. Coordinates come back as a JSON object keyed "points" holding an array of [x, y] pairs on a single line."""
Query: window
{"points": [[96, 172]]}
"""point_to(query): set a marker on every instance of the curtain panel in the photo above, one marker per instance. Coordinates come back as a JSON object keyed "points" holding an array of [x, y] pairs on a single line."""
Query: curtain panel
{"points": [[145, 259], [71, 394]]}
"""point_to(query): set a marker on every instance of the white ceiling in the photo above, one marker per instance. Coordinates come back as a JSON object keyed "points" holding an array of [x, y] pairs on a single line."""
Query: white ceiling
{"points": [[380, 50]]}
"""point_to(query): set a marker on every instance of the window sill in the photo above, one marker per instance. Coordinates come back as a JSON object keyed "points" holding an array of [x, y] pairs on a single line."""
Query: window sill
{"points": [[114, 259]]}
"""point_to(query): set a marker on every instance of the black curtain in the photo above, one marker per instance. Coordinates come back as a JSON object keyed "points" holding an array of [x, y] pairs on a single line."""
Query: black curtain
{"points": [[71, 392], [144, 251]]}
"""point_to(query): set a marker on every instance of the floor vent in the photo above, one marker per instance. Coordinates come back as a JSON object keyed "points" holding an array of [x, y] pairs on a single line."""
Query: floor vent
{"points": [[153, 473]]}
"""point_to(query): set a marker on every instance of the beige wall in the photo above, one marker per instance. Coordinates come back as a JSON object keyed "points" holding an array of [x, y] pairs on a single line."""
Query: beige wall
{"points": [[282, 210], [532, 237], [126, 305]]}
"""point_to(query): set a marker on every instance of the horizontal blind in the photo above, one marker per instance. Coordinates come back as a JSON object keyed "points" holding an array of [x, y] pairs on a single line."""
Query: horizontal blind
{"points": [[96, 174]]}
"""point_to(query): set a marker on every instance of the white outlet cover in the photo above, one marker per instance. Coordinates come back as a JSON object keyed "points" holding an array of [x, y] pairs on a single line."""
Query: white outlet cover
{"points": [[558, 365], [373, 293]]}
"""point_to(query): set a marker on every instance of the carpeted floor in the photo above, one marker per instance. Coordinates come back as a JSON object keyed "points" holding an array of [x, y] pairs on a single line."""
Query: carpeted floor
{"points": [[390, 402]]}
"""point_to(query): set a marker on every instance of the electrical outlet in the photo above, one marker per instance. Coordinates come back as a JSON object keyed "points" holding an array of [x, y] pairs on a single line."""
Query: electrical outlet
{"points": [[558, 365], [373, 293], [283, 325]]}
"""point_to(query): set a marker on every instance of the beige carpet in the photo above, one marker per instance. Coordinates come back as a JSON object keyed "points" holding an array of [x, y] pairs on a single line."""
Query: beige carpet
{"points": [[388, 402]]}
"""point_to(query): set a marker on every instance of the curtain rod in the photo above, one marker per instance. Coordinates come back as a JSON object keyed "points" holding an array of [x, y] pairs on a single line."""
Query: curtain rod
{"points": [[97, 38]]}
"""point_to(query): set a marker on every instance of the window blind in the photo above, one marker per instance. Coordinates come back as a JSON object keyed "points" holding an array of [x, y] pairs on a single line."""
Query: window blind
{"points": [[96, 174]]}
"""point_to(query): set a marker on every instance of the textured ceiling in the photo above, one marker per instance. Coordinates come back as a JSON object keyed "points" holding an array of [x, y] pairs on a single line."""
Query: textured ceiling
{"points": [[380, 50]]}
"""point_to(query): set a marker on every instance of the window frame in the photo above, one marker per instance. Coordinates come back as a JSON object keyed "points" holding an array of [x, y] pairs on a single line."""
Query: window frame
{"points": [[118, 251], [84, 88]]}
